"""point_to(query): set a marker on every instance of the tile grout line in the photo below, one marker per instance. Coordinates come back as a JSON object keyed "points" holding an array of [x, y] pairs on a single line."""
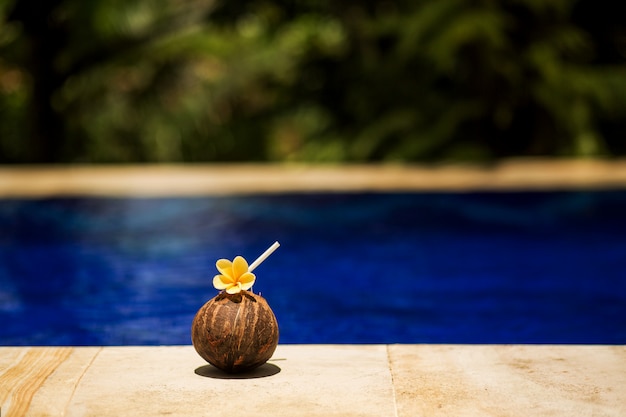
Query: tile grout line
{"points": [[393, 384], [78, 381]]}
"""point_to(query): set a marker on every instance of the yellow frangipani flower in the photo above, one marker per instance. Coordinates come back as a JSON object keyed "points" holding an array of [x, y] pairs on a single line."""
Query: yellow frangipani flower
{"points": [[234, 276]]}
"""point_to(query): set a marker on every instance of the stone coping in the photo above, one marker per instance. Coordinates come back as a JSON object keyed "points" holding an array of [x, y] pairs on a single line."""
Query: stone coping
{"points": [[189, 180], [318, 380]]}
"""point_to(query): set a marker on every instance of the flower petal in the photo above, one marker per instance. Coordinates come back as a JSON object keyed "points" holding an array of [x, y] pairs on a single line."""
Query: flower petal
{"points": [[221, 282], [247, 280], [225, 267], [240, 267], [233, 289]]}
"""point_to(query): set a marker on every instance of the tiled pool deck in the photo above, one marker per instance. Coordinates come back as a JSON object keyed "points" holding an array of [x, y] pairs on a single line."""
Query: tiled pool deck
{"points": [[314, 380], [318, 380]]}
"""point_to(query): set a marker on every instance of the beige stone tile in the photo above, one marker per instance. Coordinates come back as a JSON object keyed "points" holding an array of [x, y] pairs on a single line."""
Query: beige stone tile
{"points": [[54, 396], [520, 380], [313, 381], [24, 372], [9, 357]]}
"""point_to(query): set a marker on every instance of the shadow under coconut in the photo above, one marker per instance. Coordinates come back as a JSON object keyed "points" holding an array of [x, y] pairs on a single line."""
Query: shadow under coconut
{"points": [[210, 371]]}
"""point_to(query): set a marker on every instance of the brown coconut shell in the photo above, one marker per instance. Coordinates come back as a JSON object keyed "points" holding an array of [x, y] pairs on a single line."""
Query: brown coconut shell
{"points": [[235, 332]]}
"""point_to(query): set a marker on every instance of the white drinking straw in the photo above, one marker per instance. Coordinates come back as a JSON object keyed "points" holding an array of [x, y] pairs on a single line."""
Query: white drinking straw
{"points": [[264, 255]]}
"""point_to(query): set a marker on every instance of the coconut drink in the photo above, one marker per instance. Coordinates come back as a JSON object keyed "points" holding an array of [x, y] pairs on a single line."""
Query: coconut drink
{"points": [[236, 331]]}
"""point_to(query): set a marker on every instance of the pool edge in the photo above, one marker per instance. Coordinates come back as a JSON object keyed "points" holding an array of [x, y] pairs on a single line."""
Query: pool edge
{"points": [[219, 179]]}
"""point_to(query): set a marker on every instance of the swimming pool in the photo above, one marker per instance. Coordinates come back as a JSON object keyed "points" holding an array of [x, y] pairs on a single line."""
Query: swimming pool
{"points": [[472, 267]]}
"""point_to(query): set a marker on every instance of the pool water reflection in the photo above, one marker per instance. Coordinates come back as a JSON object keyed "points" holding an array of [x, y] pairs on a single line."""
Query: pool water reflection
{"points": [[514, 267]]}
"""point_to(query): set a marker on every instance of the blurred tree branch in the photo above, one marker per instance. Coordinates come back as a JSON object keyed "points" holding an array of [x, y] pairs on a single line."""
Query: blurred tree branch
{"points": [[375, 80]]}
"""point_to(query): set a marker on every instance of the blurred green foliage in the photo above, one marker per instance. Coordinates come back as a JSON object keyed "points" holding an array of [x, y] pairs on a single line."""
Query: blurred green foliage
{"points": [[302, 80]]}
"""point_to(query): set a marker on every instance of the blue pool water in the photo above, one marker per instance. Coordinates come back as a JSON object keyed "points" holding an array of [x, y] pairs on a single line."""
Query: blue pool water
{"points": [[514, 267]]}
